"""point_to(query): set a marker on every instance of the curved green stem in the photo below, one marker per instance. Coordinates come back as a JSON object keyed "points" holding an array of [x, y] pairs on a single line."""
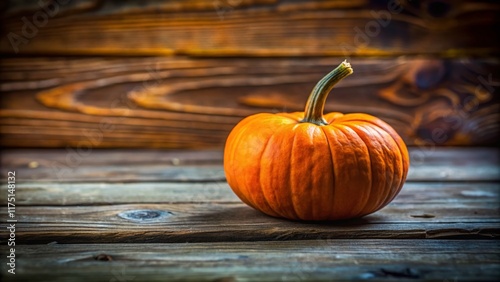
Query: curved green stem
{"points": [[317, 99]]}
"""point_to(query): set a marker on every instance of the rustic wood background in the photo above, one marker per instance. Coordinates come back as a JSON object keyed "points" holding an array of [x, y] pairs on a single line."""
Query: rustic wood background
{"points": [[169, 215], [181, 74]]}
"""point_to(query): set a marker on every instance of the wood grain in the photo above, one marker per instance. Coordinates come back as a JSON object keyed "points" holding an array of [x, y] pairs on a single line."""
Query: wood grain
{"points": [[106, 193], [237, 222], [253, 28], [420, 156], [306, 260], [71, 171], [180, 74], [192, 228], [108, 166], [185, 202], [193, 103]]}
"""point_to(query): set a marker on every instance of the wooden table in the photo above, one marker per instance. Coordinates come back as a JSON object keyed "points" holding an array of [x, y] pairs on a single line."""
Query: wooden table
{"points": [[151, 215]]}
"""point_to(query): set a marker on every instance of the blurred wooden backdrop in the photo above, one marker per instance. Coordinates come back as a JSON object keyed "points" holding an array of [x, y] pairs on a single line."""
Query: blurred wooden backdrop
{"points": [[182, 73]]}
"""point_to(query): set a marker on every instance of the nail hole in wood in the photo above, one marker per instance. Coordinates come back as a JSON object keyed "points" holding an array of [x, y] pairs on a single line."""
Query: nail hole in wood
{"points": [[225, 279], [400, 273], [393, 272], [103, 257], [424, 215]]}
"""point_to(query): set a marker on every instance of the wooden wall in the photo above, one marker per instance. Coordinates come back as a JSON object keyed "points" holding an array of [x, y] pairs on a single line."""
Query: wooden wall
{"points": [[182, 73]]}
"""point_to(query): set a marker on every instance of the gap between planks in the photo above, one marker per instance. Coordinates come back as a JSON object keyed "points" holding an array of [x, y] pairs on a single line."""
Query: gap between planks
{"points": [[311, 260]]}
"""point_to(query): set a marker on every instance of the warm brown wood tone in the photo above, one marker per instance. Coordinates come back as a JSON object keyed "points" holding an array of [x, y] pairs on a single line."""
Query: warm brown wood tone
{"points": [[252, 28], [193, 103], [86, 78], [222, 60]]}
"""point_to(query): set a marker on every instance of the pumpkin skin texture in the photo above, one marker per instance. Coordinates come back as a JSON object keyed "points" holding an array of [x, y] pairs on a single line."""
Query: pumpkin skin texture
{"points": [[327, 167]]}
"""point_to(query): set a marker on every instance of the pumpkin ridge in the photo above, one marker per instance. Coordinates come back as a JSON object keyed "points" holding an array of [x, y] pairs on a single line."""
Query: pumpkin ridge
{"points": [[375, 130], [336, 165], [337, 133], [255, 119], [403, 152], [331, 213], [362, 135], [247, 194], [290, 176], [402, 167], [313, 132], [271, 207], [394, 137], [235, 140], [397, 165], [341, 129]]}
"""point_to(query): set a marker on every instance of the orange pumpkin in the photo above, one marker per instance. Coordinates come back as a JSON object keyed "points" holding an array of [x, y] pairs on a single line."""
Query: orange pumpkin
{"points": [[307, 166]]}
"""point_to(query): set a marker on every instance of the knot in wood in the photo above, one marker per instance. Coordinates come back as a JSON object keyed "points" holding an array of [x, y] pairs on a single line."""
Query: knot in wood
{"points": [[144, 215], [397, 272], [430, 75], [103, 257]]}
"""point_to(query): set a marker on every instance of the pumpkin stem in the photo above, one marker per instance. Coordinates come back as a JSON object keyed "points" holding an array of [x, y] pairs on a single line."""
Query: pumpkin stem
{"points": [[317, 99]]}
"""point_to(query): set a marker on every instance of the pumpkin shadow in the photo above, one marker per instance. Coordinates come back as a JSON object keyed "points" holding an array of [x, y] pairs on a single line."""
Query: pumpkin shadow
{"points": [[344, 222], [242, 223], [244, 214]]}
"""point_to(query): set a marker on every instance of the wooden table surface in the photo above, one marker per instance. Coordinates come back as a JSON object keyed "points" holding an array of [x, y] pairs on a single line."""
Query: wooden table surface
{"points": [[152, 215]]}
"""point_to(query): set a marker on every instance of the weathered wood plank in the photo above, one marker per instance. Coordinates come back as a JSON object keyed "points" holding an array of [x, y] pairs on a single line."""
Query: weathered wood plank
{"points": [[55, 194], [147, 173], [316, 260], [205, 210], [420, 156], [220, 222], [64, 172], [252, 28], [72, 165], [179, 102], [19, 158]]}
